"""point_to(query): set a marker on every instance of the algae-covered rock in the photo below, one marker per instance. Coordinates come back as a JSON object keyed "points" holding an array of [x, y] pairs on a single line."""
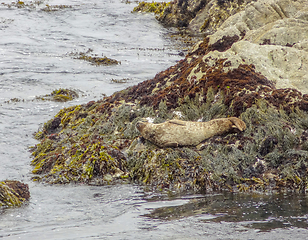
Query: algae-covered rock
{"points": [[234, 75], [197, 16], [214, 14], [98, 143], [179, 13], [154, 7], [13, 193], [60, 95], [94, 58]]}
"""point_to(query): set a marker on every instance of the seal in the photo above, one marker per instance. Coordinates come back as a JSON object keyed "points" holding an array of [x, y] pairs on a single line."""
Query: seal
{"points": [[174, 133]]}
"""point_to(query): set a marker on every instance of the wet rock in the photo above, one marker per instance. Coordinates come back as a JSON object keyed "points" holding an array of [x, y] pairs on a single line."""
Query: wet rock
{"points": [[13, 193], [179, 13], [93, 58], [97, 143], [214, 14], [268, 145], [236, 72], [200, 16], [60, 95], [275, 41]]}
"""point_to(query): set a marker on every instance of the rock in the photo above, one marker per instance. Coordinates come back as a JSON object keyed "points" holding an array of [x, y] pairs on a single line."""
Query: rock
{"points": [[200, 16], [179, 13], [256, 15], [213, 15], [60, 95], [236, 72], [287, 67], [13, 193], [97, 143], [271, 36]]}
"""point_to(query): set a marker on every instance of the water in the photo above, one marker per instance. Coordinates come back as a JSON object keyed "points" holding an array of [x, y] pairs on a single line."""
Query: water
{"points": [[35, 59]]}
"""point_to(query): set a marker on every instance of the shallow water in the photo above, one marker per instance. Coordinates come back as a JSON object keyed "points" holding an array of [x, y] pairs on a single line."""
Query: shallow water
{"points": [[35, 59]]}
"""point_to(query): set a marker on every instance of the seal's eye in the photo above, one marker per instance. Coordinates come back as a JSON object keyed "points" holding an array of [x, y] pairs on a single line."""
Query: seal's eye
{"points": [[138, 125]]}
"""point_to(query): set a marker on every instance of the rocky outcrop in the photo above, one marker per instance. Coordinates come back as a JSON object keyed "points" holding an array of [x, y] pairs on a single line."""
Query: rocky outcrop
{"points": [[271, 35], [236, 72], [200, 16], [13, 193], [97, 143]]}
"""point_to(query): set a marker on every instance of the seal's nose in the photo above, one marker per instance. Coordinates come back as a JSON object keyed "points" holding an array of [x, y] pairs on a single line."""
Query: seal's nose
{"points": [[138, 125]]}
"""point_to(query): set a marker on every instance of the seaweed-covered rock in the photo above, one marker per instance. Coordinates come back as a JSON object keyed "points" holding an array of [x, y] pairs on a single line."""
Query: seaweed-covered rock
{"points": [[155, 7], [197, 16], [60, 95], [178, 13], [93, 58], [13, 193], [97, 143]]}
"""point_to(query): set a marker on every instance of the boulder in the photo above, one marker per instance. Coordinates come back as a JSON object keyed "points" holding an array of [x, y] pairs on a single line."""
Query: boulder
{"points": [[271, 35], [13, 193], [238, 71], [200, 16]]}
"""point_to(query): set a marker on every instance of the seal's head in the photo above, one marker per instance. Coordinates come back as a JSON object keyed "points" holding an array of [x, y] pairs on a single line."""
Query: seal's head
{"points": [[140, 125]]}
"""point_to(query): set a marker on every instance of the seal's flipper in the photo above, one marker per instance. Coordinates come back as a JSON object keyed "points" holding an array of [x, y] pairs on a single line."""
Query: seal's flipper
{"points": [[238, 123]]}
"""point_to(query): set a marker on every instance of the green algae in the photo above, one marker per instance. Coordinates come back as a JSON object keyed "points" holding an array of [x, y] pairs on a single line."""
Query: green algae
{"points": [[234, 161], [94, 58], [60, 95], [98, 142], [76, 155], [8, 196], [52, 8], [33, 5], [153, 7], [123, 80], [13, 193], [265, 157]]}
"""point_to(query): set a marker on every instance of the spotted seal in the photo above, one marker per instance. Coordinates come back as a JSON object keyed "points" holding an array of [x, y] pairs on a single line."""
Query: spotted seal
{"points": [[174, 133]]}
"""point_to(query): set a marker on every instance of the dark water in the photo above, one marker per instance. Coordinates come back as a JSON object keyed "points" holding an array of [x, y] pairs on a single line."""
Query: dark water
{"points": [[35, 47]]}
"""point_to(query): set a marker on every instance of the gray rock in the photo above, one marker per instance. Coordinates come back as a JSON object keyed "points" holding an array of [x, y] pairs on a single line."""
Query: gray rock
{"points": [[275, 41]]}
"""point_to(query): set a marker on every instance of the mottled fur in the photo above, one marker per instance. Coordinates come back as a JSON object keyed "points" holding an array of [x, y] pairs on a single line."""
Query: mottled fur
{"points": [[174, 133]]}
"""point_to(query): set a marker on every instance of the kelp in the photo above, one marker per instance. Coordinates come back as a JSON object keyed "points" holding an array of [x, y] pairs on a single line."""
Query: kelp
{"points": [[13, 193]]}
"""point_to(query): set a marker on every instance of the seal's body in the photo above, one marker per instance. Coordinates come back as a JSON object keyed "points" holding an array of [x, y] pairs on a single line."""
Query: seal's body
{"points": [[174, 133]]}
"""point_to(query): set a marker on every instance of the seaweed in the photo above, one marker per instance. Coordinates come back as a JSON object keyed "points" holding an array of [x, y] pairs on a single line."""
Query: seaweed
{"points": [[13, 193], [97, 142], [93, 59]]}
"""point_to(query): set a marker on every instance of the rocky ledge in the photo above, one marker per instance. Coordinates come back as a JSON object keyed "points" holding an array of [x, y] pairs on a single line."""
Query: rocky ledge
{"points": [[251, 68], [13, 193]]}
